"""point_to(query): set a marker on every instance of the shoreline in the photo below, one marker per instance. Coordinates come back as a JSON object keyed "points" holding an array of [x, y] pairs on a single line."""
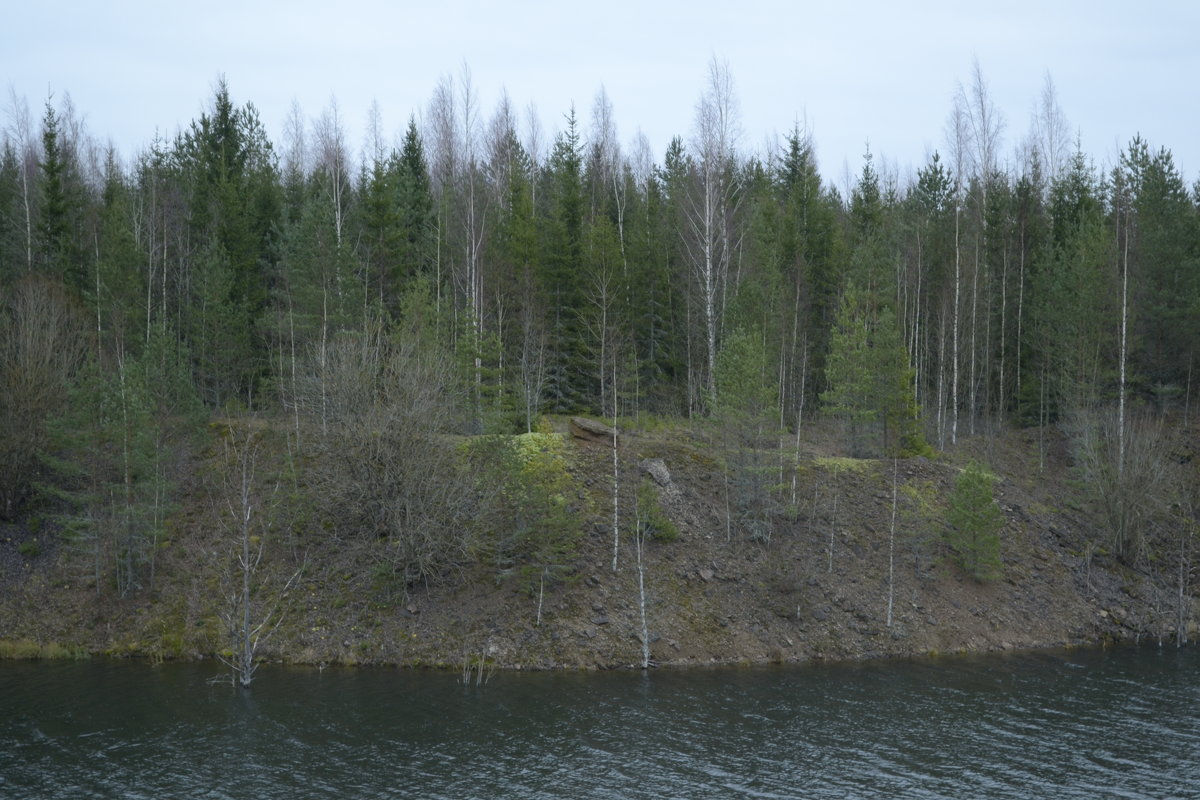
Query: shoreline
{"points": [[28, 651]]}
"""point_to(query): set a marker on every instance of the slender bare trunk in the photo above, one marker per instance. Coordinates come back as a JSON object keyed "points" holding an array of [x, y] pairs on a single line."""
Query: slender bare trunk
{"points": [[941, 384], [799, 418], [324, 359], [641, 568], [541, 597], [892, 544], [1003, 327], [954, 348], [1020, 309], [974, 379], [915, 349], [616, 477], [833, 524], [1124, 348]]}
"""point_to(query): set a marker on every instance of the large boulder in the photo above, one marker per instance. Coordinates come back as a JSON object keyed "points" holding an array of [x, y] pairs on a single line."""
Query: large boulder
{"points": [[591, 431]]}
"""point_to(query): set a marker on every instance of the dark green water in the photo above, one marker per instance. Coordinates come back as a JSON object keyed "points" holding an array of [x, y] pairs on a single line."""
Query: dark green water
{"points": [[1119, 723]]}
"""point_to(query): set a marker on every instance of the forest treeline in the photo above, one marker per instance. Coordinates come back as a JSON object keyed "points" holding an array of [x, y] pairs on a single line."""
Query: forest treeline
{"points": [[478, 274]]}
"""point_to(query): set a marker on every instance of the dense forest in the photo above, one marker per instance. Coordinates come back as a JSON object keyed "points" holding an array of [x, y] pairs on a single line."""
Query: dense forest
{"points": [[378, 309]]}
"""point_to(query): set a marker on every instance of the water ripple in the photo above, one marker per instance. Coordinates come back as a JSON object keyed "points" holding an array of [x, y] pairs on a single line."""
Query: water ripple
{"points": [[1122, 724]]}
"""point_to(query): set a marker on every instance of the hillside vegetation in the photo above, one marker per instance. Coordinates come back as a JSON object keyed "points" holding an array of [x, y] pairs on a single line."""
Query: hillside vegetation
{"points": [[527, 580], [266, 400]]}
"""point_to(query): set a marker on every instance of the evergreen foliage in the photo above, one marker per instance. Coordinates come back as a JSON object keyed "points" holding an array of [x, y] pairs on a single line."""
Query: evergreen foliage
{"points": [[536, 535], [975, 522], [746, 398], [111, 461], [652, 521], [870, 382], [472, 279]]}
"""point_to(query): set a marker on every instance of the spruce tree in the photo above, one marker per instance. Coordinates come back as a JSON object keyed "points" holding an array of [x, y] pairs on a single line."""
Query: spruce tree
{"points": [[12, 255], [561, 265], [746, 400], [414, 205], [60, 247], [870, 380], [234, 202], [975, 522]]}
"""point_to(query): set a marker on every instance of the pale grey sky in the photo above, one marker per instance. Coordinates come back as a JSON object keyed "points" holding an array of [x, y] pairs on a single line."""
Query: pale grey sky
{"points": [[853, 73]]}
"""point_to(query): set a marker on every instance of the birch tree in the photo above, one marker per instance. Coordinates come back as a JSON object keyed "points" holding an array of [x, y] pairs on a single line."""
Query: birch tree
{"points": [[250, 604], [1051, 132], [711, 236], [606, 152], [957, 133], [985, 127], [20, 133]]}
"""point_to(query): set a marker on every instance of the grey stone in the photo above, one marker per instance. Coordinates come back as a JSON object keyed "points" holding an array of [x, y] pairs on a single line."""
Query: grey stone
{"points": [[657, 470]]}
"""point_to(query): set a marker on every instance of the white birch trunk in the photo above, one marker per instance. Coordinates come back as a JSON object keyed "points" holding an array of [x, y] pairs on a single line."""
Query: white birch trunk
{"points": [[892, 544]]}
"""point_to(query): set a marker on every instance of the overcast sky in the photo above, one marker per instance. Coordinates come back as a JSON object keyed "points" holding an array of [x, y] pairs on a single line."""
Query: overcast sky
{"points": [[853, 73]]}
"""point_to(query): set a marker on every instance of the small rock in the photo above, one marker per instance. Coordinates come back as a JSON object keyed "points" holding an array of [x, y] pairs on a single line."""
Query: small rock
{"points": [[930, 619], [706, 574], [821, 614], [598, 608], [600, 619]]}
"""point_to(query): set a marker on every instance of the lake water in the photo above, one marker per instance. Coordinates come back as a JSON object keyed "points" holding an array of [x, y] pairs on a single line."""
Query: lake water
{"points": [[1084, 724]]}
